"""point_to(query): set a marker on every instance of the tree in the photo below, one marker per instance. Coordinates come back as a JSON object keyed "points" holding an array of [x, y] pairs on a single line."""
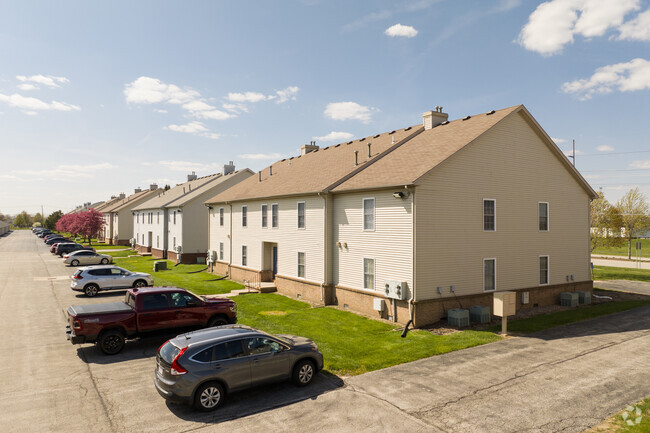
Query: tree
{"points": [[634, 211], [91, 222], [50, 221], [23, 220], [605, 224], [38, 218]]}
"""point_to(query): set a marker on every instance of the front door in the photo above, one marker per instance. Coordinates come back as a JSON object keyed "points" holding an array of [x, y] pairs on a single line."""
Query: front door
{"points": [[275, 260], [150, 243]]}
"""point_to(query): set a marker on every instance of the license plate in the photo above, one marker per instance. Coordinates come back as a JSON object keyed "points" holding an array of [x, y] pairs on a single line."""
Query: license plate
{"points": [[160, 370]]}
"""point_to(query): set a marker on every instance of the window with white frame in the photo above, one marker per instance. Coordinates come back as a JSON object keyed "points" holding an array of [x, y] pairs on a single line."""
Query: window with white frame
{"points": [[265, 216], [157, 241], [543, 216], [221, 216], [244, 216], [369, 274], [143, 239], [301, 265], [174, 243], [369, 214], [543, 270], [489, 215], [244, 258], [489, 275], [220, 250], [275, 210], [301, 214], [174, 217]]}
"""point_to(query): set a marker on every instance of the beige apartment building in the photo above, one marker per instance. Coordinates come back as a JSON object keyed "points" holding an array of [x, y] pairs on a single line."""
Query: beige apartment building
{"points": [[410, 223], [118, 221]]}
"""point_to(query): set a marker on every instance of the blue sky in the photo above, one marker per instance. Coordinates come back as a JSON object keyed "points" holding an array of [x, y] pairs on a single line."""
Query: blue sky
{"points": [[98, 98]]}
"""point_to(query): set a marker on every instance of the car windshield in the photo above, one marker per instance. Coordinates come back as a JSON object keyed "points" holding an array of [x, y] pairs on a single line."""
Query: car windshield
{"points": [[129, 300], [168, 352]]}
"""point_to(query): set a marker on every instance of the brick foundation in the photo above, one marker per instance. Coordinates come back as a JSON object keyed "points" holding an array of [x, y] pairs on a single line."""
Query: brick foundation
{"points": [[124, 242], [303, 290], [142, 249], [186, 258], [239, 273], [157, 254], [363, 302]]}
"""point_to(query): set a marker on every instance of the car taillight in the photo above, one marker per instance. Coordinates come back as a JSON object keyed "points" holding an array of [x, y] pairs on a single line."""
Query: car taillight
{"points": [[66, 256], [76, 325], [77, 277], [177, 369]]}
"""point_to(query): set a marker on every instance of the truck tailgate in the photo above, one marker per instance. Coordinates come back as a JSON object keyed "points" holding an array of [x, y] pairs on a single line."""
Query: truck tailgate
{"points": [[113, 307]]}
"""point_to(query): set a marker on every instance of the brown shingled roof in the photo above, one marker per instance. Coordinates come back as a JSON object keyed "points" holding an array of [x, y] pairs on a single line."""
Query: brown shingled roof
{"points": [[121, 203]]}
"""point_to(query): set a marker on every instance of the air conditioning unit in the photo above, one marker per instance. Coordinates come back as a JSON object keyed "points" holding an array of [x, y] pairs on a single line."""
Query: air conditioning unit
{"points": [[132, 242], [212, 256], [396, 289], [179, 249]]}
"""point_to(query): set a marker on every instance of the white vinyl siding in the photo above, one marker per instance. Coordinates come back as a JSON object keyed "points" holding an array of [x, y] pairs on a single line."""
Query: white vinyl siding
{"points": [[489, 215], [301, 214], [369, 274], [543, 270], [489, 275], [301, 265], [542, 216], [368, 214]]}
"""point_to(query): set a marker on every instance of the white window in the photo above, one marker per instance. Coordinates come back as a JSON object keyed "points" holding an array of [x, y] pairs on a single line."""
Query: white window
{"points": [[369, 214], [543, 270], [142, 239], [174, 244], [301, 265], [489, 275], [369, 274], [221, 216], [243, 255], [157, 241], [244, 216], [301, 214], [274, 215], [543, 216], [265, 216], [137, 218], [220, 250], [174, 217], [489, 215]]}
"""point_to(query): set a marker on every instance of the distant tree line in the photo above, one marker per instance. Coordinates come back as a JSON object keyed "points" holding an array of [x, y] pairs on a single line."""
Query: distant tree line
{"points": [[615, 224], [25, 219]]}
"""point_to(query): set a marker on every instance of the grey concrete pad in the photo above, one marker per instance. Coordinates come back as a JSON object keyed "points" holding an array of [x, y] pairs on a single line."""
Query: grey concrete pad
{"points": [[629, 286], [565, 379], [621, 263]]}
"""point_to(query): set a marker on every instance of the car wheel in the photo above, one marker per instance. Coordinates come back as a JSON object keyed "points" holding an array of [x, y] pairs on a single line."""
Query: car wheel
{"points": [[111, 342], [217, 321], [304, 372], [91, 290], [208, 397], [139, 284], [74, 263], [104, 261]]}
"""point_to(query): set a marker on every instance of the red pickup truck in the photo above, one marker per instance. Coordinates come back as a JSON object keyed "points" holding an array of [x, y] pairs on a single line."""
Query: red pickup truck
{"points": [[144, 311]]}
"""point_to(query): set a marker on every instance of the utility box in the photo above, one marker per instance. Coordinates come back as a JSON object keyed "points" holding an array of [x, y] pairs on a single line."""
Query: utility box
{"points": [[160, 266], [505, 304], [458, 317], [480, 314], [395, 289], [569, 299], [378, 304], [525, 298], [584, 298]]}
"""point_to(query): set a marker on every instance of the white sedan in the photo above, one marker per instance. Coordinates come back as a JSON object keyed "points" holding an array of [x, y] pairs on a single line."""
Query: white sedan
{"points": [[86, 257]]}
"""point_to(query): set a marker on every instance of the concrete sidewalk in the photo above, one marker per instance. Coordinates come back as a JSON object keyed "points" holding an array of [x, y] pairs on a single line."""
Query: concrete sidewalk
{"points": [[629, 286]]}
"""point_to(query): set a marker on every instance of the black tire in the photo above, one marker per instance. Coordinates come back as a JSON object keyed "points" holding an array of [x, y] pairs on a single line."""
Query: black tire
{"points": [[111, 342], [304, 372], [208, 396], [74, 263], [217, 321], [104, 261], [140, 284], [91, 290]]}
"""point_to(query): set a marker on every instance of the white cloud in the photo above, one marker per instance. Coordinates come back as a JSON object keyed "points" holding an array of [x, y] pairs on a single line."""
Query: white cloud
{"points": [[558, 140], [335, 136], [348, 110], [46, 80], [213, 114], [280, 96], [400, 30], [287, 94], [247, 97], [31, 105], [159, 110], [605, 148], [644, 164], [637, 29], [147, 90], [188, 166], [190, 128], [554, 23], [624, 77], [235, 108], [261, 156], [27, 87]]}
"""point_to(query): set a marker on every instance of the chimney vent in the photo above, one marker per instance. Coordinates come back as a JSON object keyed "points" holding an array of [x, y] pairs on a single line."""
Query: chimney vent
{"points": [[306, 148], [153, 187], [369, 154], [259, 176], [191, 177], [122, 196], [228, 168], [137, 190], [270, 170], [356, 158], [431, 119]]}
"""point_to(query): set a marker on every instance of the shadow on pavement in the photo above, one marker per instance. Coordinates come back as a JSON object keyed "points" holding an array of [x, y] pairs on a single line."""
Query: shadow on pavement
{"points": [[140, 348], [104, 294], [257, 400]]}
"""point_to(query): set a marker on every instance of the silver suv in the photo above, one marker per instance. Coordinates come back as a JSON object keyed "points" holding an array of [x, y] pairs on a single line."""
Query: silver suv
{"points": [[92, 279], [200, 367]]}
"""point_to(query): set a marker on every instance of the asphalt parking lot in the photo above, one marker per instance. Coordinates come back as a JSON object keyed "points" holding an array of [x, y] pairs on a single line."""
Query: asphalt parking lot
{"points": [[564, 379]]}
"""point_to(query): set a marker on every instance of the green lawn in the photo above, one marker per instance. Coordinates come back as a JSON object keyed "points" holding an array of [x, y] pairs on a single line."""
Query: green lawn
{"points": [[351, 344], [622, 250], [614, 273], [178, 276], [619, 423], [546, 321], [114, 254]]}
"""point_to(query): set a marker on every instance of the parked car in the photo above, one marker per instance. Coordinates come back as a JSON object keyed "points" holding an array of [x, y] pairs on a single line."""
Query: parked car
{"points": [[53, 240], [86, 257], [68, 247], [43, 233], [93, 279], [51, 236], [146, 310], [201, 367]]}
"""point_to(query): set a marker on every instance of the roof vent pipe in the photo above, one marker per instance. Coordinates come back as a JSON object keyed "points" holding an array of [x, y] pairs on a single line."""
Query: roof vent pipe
{"points": [[369, 154], [259, 176], [356, 158], [270, 170]]}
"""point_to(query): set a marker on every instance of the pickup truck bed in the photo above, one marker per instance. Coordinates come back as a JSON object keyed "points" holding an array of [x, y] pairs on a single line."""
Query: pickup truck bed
{"points": [[113, 307]]}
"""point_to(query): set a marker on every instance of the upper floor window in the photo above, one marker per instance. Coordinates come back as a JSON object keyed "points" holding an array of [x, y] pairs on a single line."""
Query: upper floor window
{"points": [[221, 216], [369, 214], [244, 216], [265, 216], [174, 217], [543, 216], [489, 275], [489, 215], [301, 215], [274, 215]]}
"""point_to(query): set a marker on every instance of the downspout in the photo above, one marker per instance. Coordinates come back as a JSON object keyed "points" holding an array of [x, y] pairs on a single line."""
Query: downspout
{"points": [[325, 248], [165, 232], [414, 256], [230, 240]]}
